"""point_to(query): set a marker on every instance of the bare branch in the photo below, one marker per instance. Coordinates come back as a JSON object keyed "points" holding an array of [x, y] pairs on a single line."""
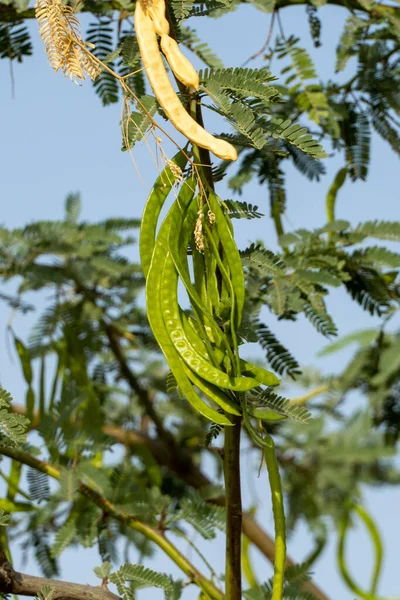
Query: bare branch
{"points": [[12, 582]]}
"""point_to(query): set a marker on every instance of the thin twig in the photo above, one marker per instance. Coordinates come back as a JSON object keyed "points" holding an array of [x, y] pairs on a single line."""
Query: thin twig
{"points": [[267, 41]]}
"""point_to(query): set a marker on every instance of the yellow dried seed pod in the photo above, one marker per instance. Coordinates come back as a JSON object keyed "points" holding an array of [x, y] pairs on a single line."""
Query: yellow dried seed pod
{"points": [[156, 10], [165, 94], [180, 65]]}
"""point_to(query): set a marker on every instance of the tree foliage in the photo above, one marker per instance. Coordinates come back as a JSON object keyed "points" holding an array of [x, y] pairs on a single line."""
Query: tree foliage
{"points": [[95, 378]]}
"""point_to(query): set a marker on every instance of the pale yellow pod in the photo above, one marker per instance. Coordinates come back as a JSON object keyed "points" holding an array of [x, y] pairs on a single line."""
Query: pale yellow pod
{"points": [[156, 10], [165, 93], [180, 65]]}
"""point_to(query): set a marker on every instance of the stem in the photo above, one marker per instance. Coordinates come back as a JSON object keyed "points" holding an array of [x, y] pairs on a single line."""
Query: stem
{"points": [[149, 532], [317, 391], [376, 539], [339, 180], [247, 566], [233, 503], [276, 216], [279, 520], [344, 526]]}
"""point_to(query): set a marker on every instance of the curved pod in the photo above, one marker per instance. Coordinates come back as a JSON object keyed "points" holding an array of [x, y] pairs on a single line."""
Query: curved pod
{"points": [[180, 65], [165, 93], [156, 10]]}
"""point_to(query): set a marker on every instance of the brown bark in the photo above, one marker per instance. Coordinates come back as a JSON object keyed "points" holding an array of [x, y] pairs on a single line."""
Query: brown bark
{"points": [[12, 582]]}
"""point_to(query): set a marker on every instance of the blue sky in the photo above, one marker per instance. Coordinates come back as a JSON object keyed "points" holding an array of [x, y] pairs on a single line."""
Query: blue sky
{"points": [[56, 138]]}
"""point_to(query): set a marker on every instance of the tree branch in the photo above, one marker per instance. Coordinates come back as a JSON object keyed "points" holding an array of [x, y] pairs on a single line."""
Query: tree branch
{"points": [[8, 13], [233, 505], [12, 582], [193, 476], [130, 378], [149, 532]]}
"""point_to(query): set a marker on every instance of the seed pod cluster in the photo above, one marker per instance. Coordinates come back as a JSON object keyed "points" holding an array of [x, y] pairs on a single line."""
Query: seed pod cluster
{"points": [[150, 21], [200, 348]]}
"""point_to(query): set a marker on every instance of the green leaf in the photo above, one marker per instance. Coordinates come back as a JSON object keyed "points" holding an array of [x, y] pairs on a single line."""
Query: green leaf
{"points": [[46, 593], [130, 52], [136, 125], [68, 484], [278, 356], [382, 230], [65, 535], [4, 519], [138, 573], [73, 207], [266, 6], [12, 426], [15, 42], [25, 359], [278, 404], [242, 210], [389, 364], [104, 571], [363, 338]]}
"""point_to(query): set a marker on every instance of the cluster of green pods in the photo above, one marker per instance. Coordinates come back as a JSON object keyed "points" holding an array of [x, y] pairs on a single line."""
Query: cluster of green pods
{"points": [[194, 246]]}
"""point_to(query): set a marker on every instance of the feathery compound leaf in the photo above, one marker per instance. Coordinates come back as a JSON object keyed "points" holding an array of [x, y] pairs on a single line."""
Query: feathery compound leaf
{"points": [[359, 153], [100, 34], [242, 117], [171, 383], [136, 124], [73, 207], [380, 256], [144, 576], [60, 31], [306, 164], [242, 83], [301, 60], [204, 518], [381, 230], [68, 484], [181, 8], [130, 52], [175, 591], [265, 261], [12, 426], [347, 46], [283, 406], [65, 535], [369, 289], [242, 210], [322, 322], [103, 571], [46, 593], [319, 277], [38, 485], [296, 135], [15, 42], [278, 356], [212, 434]]}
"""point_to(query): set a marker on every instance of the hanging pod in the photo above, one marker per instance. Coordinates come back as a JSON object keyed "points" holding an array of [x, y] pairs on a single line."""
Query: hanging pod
{"points": [[165, 93], [175, 362], [153, 207], [173, 323]]}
